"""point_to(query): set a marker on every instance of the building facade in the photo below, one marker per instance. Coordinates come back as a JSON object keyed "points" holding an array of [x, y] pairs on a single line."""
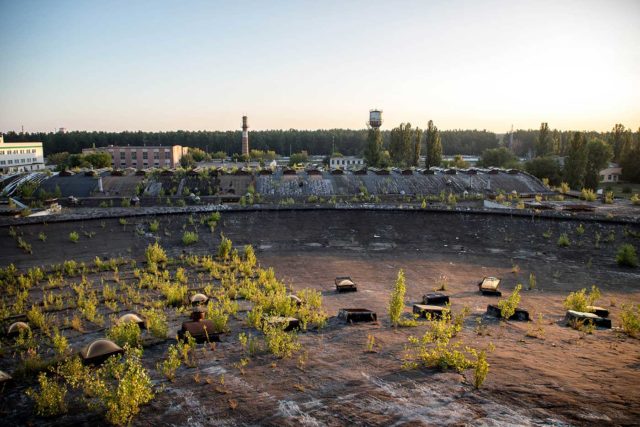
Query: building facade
{"points": [[144, 157], [20, 156], [610, 175], [345, 162]]}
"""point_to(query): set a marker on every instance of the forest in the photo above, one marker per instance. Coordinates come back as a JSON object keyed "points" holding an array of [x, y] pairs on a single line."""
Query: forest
{"points": [[283, 142]]}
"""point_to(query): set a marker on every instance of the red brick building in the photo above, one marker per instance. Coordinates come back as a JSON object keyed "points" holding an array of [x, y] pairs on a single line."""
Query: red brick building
{"points": [[143, 157]]}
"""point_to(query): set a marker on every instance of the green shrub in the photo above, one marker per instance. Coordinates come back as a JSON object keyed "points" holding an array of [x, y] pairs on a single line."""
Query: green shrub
{"points": [[630, 319], [396, 302], [123, 397], [154, 226], [508, 306], [125, 333], [156, 322], [36, 318], [73, 236], [189, 238], [588, 194], [49, 399], [608, 197], [60, 343], [627, 256], [282, 344], [42, 236], [224, 250], [170, 365], [580, 230], [580, 300], [564, 188], [123, 221], [563, 240], [635, 199], [155, 254], [175, 294]]}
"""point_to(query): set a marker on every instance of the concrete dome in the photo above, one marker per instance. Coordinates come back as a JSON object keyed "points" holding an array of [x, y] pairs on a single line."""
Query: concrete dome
{"points": [[15, 328], [100, 350], [199, 299]]}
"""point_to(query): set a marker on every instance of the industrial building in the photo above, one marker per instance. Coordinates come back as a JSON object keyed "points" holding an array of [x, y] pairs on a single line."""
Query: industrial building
{"points": [[345, 162], [20, 156], [142, 157]]}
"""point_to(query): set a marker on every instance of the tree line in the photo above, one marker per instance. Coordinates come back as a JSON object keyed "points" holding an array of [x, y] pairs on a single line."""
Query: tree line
{"points": [[352, 142]]}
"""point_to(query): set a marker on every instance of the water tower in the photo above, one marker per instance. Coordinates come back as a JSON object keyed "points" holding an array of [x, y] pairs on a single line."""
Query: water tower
{"points": [[375, 118]]}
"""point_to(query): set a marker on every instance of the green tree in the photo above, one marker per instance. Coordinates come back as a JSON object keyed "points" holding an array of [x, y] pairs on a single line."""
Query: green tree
{"points": [[198, 155], [498, 157], [301, 157], [400, 146], [544, 142], [434, 146], [458, 162], [58, 158], [417, 146], [98, 159], [620, 141], [545, 167], [630, 162], [373, 152], [576, 162], [598, 155]]}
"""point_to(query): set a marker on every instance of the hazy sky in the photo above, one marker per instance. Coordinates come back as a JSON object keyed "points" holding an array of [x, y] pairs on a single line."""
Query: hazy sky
{"points": [[166, 65]]}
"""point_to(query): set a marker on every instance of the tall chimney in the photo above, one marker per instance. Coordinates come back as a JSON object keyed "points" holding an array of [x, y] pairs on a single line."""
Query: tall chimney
{"points": [[245, 136]]}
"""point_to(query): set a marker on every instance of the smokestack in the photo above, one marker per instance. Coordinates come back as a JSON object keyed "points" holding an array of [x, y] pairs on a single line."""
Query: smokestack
{"points": [[245, 136]]}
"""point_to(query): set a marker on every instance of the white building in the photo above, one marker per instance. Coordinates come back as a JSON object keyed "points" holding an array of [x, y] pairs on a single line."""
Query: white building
{"points": [[345, 162], [610, 174], [20, 156]]}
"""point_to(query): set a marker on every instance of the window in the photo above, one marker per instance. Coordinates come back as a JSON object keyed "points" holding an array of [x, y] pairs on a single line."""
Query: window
{"points": [[134, 155], [2, 162], [145, 155], [122, 155], [1, 152], [609, 177], [23, 160], [34, 160], [156, 155], [10, 162]]}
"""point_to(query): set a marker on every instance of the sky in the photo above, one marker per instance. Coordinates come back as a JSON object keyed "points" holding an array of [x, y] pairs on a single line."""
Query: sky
{"points": [[200, 65]]}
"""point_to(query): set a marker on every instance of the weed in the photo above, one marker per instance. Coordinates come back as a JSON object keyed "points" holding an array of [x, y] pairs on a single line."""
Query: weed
{"points": [[189, 238], [282, 344], [580, 300], [371, 343], [563, 240], [588, 194], [580, 230], [42, 236], [224, 250], [156, 322], [74, 237], [125, 333], [509, 305], [536, 330], [630, 319], [50, 399], [532, 281], [396, 302], [441, 283], [627, 256], [170, 365], [547, 234], [22, 244], [154, 226]]}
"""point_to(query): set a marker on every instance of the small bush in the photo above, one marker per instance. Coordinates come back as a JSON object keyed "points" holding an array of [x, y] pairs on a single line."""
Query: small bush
{"points": [[73, 236], [42, 236], [224, 250], [627, 256], [170, 365], [630, 318], [154, 226], [635, 199], [189, 238], [155, 254], [579, 300], [508, 306], [282, 344], [588, 194], [174, 293], [126, 333], [608, 197], [396, 302], [156, 322], [564, 188], [580, 230], [123, 221], [563, 240], [49, 399]]}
